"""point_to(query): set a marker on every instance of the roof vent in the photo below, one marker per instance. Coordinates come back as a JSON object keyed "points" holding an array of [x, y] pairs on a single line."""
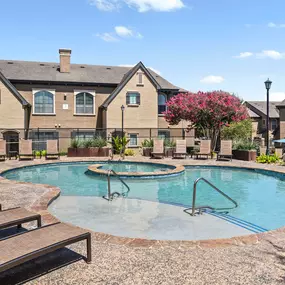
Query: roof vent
{"points": [[10, 62], [109, 68], [82, 66], [42, 64]]}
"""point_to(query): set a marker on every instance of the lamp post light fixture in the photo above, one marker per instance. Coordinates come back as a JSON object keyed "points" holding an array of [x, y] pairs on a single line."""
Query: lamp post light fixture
{"points": [[267, 86], [123, 109]]}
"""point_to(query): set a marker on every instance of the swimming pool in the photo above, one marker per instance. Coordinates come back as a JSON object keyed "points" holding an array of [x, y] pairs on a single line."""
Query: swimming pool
{"points": [[260, 195]]}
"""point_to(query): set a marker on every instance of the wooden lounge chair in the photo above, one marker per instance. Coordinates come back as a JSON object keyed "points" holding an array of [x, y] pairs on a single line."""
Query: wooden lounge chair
{"points": [[180, 151], [52, 149], [17, 217], [279, 152], [27, 246], [205, 149], [226, 150], [26, 150], [158, 149], [2, 150]]}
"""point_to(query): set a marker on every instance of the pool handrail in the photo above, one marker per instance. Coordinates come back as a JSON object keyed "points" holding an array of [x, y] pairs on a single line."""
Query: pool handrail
{"points": [[111, 195], [214, 187]]}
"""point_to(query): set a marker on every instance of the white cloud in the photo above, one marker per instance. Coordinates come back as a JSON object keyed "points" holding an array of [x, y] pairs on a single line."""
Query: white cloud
{"points": [[273, 54], [273, 25], [105, 5], [277, 96], [132, 65], [212, 79], [125, 32], [244, 55], [139, 5], [107, 37]]}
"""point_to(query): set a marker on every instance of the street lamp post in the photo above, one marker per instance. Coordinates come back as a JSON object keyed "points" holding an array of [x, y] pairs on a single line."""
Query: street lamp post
{"points": [[267, 86], [123, 109]]}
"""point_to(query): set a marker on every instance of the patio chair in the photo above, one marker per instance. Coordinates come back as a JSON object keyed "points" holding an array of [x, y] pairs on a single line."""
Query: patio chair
{"points": [[52, 150], [16, 217], [180, 151], [26, 246], [279, 152], [205, 149], [2, 150], [226, 150], [25, 149], [158, 149]]}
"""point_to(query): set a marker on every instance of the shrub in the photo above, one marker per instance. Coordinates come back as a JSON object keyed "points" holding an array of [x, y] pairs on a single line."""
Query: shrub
{"points": [[169, 143], [268, 158], [75, 143], [129, 152], [237, 131], [147, 143], [245, 145], [99, 142], [43, 152], [87, 143], [119, 144]]}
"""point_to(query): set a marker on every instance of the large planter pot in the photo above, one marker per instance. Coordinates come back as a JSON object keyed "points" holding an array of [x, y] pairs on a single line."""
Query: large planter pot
{"points": [[72, 152], [104, 151], [246, 155], [169, 151], [83, 152], [147, 151], [94, 151]]}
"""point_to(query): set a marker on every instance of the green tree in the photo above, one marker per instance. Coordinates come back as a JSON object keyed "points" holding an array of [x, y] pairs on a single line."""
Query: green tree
{"points": [[237, 131]]}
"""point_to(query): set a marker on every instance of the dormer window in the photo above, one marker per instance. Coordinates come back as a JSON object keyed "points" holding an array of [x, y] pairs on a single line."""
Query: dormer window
{"points": [[133, 98], [140, 78]]}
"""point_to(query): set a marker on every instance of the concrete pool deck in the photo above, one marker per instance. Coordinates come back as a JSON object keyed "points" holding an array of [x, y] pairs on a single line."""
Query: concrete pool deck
{"points": [[254, 259]]}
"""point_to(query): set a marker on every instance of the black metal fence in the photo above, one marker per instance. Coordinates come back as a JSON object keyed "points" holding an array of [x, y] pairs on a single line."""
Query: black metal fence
{"points": [[39, 136]]}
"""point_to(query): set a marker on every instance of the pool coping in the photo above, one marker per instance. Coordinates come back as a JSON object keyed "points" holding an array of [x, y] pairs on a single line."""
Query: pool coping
{"points": [[41, 207], [170, 171]]}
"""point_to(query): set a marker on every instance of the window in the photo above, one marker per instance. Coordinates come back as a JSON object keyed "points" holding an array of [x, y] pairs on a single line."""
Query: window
{"points": [[44, 102], [87, 134], [133, 140], [164, 134], [273, 124], [133, 98], [84, 103], [39, 138], [263, 122], [161, 103], [140, 78]]}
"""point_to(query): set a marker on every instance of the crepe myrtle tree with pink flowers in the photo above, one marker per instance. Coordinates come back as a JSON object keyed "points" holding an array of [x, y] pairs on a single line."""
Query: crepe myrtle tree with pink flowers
{"points": [[207, 112]]}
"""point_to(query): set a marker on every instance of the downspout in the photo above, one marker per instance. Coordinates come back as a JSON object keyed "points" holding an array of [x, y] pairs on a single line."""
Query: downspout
{"points": [[27, 117]]}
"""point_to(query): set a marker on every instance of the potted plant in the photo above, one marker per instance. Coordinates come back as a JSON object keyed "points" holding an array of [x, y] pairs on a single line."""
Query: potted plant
{"points": [[147, 146], [169, 146], [84, 148], [245, 151], [72, 150], [103, 150], [119, 144]]}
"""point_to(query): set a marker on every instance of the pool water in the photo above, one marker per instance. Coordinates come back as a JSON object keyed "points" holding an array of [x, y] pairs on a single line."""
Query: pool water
{"points": [[135, 167], [260, 197]]}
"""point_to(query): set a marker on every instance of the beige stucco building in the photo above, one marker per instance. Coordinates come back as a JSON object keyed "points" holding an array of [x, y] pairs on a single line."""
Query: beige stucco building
{"points": [[43, 100]]}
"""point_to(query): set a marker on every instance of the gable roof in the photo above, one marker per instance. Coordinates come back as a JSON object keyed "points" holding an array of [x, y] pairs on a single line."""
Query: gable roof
{"points": [[79, 73], [126, 79], [259, 107], [13, 90]]}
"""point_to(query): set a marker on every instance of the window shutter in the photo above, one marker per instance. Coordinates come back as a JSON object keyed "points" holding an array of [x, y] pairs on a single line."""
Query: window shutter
{"points": [[128, 99], [139, 99]]}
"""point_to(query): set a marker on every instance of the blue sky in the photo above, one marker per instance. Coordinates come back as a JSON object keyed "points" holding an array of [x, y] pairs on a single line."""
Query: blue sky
{"points": [[233, 45]]}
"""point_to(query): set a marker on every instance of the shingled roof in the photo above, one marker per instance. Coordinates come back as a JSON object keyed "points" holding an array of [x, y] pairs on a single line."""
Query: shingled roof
{"points": [[259, 107], [79, 73]]}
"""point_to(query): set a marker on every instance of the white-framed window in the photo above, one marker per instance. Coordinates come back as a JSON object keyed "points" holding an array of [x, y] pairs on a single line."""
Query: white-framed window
{"points": [[162, 99], [133, 98], [84, 102], [140, 78], [44, 102], [273, 124], [133, 139]]}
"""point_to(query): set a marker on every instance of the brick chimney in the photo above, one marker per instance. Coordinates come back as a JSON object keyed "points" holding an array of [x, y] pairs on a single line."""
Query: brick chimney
{"points": [[64, 55]]}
